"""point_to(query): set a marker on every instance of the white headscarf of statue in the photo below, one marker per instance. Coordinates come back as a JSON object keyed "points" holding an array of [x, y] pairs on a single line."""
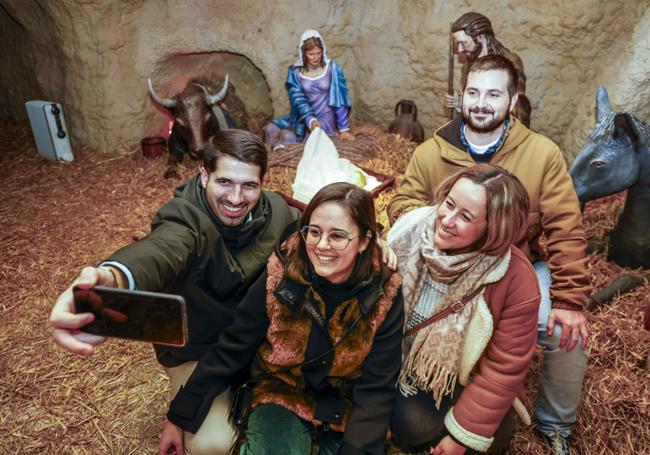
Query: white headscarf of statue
{"points": [[305, 36]]}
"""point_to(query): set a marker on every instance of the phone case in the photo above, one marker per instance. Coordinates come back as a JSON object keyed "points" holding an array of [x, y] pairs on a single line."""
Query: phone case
{"points": [[134, 315]]}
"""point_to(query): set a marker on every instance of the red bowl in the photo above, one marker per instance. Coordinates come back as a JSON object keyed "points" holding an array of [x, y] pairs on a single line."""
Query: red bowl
{"points": [[153, 146]]}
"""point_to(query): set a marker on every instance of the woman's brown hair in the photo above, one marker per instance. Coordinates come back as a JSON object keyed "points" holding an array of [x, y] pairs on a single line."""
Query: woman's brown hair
{"points": [[507, 205], [360, 206]]}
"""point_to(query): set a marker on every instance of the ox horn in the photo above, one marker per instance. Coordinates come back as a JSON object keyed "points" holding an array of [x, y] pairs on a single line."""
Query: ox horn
{"points": [[167, 102], [212, 99]]}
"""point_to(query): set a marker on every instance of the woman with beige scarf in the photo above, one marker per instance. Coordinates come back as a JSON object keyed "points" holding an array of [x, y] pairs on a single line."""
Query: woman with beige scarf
{"points": [[470, 300]]}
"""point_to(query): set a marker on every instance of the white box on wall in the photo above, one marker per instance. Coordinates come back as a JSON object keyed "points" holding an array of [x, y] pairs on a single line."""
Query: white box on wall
{"points": [[49, 130]]}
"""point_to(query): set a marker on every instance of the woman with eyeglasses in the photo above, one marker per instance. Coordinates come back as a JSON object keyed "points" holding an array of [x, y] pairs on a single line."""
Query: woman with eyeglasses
{"points": [[471, 300], [323, 327]]}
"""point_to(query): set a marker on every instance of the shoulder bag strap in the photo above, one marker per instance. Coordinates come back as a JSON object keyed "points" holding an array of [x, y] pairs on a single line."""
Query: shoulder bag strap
{"points": [[453, 308]]}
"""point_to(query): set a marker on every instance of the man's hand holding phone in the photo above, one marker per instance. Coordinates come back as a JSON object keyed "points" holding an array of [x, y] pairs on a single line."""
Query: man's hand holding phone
{"points": [[95, 307], [67, 324]]}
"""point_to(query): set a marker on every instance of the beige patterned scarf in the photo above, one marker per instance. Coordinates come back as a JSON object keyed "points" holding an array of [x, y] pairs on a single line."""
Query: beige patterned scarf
{"points": [[431, 357]]}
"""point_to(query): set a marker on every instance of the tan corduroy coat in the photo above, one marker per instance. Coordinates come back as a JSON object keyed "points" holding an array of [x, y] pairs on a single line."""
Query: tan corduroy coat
{"points": [[554, 208]]}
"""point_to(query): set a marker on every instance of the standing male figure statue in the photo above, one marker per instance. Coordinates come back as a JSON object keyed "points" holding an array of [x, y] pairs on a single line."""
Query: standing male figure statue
{"points": [[473, 37]]}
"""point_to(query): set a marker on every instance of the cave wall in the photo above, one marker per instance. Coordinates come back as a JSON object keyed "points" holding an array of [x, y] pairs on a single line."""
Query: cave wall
{"points": [[30, 67], [94, 57]]}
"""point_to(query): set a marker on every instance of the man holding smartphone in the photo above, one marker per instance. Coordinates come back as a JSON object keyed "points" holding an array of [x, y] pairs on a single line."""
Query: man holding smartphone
{"points": [[208, 243]]}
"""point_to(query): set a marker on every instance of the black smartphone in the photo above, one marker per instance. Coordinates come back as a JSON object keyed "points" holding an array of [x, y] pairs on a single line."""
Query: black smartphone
{"points": [[134, 315]]}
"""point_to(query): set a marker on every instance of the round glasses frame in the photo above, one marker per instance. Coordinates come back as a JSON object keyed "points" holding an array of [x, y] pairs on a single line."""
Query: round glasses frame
{"points": [[305, 231]]}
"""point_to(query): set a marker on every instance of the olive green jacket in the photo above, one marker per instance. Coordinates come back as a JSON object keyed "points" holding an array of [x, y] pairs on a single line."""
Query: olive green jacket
{"points": [[189, 252]]}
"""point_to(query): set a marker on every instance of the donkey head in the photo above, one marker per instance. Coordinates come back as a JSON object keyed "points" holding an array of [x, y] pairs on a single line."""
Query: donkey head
{"points": [[609, 160]]}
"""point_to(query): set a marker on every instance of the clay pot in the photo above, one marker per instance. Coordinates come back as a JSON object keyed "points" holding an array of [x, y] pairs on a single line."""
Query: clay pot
{"points": [[153, 146], [406, 122]]}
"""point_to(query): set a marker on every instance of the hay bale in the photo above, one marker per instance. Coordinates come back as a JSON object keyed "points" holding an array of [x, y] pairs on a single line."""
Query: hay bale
{"points": [[57, 217]]}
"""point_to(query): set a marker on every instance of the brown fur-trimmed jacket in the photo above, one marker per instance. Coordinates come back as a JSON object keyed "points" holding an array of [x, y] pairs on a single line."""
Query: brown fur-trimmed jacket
{"points": [[351, 389]]}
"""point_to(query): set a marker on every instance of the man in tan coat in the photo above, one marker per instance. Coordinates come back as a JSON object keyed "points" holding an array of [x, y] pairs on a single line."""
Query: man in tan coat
{"points": [[486, 132]]}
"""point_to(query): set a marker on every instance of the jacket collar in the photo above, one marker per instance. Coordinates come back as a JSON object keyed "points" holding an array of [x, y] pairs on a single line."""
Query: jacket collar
{"points": [[457, 153], [372, 290], [291, 293]]}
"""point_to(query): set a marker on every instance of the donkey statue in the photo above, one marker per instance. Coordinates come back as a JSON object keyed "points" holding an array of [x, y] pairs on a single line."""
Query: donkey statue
{"points": [[616, 156]]}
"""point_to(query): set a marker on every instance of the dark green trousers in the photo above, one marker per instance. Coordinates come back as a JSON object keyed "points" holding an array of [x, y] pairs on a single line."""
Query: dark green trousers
{"points": [[275, 430]]}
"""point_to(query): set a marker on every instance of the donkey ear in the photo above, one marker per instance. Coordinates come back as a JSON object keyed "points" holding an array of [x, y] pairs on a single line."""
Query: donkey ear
{"points": [[624, 127], [603, 108]]}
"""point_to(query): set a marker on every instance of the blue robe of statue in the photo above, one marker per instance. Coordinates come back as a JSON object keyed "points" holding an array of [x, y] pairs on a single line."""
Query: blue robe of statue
{"points": [[324, 98]]}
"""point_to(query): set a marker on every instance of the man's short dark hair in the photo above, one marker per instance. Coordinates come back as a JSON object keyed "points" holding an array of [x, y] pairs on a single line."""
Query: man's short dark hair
{"points": [[241, 145], [495, 62]]}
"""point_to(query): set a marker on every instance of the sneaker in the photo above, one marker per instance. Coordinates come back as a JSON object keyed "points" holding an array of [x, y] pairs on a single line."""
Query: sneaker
{"points": [[557, 442]]}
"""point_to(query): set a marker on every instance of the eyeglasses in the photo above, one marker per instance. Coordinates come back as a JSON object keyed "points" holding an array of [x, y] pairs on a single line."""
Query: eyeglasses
{"points": [[337, 239]]}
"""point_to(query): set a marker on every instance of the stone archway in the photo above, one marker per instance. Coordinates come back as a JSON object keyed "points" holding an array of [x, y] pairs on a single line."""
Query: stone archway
{"points": [[171, 74]]}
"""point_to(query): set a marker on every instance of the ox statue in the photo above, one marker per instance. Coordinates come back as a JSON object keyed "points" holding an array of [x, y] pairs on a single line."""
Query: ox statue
{"points": [[406, 122], [616, 156], [197, 116]]}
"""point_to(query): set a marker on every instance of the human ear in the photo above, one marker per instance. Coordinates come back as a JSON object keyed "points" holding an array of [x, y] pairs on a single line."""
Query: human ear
{"points": [[483, 40], [364, 243], [204, 177], [513, 101]]}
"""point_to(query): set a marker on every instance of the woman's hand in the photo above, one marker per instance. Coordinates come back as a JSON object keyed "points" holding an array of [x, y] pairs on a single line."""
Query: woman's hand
{"points": [[171, 439], [388, 256], [346, 135], [447, 446], [314, 124]]}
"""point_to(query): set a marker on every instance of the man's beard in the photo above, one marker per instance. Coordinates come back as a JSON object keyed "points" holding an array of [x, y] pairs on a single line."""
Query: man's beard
{"points": [[486, 126], [469, 57]]}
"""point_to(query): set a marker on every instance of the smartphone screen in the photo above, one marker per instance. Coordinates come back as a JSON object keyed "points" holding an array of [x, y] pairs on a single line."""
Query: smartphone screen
{"points": [[134, 315]]}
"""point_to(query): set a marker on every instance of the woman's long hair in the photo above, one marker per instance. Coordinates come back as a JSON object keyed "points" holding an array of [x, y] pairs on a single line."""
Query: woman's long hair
{"points": [[360, 206]]}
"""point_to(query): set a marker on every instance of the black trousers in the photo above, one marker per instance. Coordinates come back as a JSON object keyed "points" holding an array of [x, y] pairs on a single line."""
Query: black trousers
{"points": [[417, 425]]}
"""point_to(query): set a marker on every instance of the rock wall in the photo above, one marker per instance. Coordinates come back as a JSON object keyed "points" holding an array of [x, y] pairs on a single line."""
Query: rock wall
{"points": [[31, 67], [94, 56]]}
